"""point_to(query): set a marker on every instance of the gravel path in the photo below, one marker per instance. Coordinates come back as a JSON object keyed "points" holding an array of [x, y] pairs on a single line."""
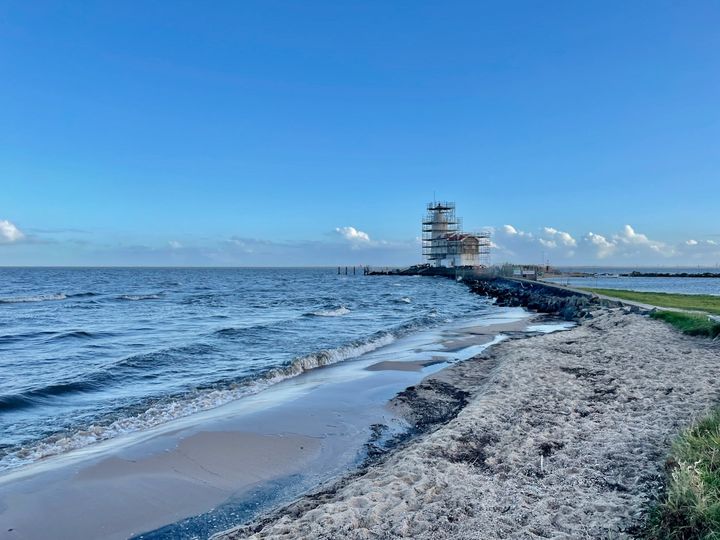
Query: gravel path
{"points": [[563, 436]]}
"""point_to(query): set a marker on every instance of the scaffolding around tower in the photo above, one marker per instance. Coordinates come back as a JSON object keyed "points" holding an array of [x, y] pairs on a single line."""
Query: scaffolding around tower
{"points": [[439, 222], [444, 243]]}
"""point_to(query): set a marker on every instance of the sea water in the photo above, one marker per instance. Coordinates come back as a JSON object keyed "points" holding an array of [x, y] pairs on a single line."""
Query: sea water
{"points": [[606, 279], [88, 354]]}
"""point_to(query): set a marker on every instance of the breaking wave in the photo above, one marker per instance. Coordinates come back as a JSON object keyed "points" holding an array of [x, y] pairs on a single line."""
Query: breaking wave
{"points": [[139, 297], [44, 297], [163, 410], [35, 298], [336, 312]]}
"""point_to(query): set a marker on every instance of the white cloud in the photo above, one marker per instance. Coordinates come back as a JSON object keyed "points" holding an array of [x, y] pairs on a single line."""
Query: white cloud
{"points": [[352, 234], [561, 246], [629, 244], [513, 242], [699, 244], [629, 237], [9, 233], [603, 246], [699, 251], [174, 244], [241, 244], [509, 230], [560, 236]]}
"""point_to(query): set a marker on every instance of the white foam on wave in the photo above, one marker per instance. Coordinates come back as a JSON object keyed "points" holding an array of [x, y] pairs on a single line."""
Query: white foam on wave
{"points": [[35, 298], [202, 400], [139, 297], [405, 300], [337, 312]]}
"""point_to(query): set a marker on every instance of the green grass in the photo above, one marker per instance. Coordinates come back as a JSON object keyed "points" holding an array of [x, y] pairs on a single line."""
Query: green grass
{"points": [[694, 324], [690, 507], [696, 302]]}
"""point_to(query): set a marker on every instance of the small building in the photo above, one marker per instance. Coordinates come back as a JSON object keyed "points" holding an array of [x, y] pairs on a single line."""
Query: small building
{"points": [[463, 249], [527, 272]]}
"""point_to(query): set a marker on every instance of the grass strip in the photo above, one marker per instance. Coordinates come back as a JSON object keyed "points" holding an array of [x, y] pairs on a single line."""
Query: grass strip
{"points": [[690, 507], [693, 324], [698, 302]]}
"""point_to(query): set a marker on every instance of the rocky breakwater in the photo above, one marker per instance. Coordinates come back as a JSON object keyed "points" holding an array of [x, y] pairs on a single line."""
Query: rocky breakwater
{"points": [[540, 297]]}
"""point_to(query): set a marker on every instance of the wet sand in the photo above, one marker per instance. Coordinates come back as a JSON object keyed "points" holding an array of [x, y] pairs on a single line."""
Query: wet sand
{"points": [[562, 435], [201, 471], [140, 483], [404, 366]]}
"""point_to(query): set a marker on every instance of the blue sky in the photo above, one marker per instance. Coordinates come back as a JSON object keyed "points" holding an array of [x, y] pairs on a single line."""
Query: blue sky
{"points": [[293, 133]]}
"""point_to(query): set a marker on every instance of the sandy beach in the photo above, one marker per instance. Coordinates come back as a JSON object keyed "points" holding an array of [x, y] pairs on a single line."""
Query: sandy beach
{"points": [[210, 471], [562, 435]]}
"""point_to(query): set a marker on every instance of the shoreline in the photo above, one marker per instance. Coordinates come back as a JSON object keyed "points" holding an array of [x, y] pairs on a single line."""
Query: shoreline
{"points": [[194, 473], [540, 432], [560, 434]]}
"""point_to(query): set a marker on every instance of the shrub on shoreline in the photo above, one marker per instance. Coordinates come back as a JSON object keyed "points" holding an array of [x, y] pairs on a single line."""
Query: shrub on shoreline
{"points": [[693, 324], [691, 505]]}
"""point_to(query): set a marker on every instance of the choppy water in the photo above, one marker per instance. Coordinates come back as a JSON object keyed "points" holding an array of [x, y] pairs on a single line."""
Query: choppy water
{"points": [[88, 354]]}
